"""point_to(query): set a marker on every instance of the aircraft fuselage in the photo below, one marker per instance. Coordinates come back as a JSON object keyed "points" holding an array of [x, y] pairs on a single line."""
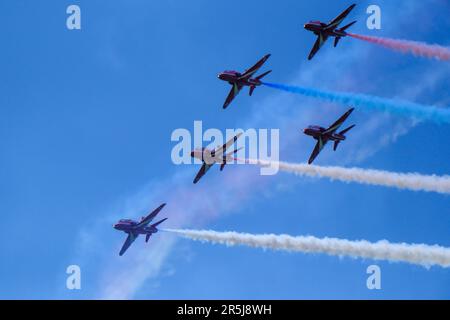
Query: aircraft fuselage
{"points": [[234, 77], [316, 132], [318, 28], [207, 156], [131, 226]]}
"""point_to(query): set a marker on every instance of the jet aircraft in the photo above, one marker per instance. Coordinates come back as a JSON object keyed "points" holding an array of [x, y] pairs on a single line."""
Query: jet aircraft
{"points": [[135, 228], [239, 80], [323, 135], [325, 30], [218, 155]]}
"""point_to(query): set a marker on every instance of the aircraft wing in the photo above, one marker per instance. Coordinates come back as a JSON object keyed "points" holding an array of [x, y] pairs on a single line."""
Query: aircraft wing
{"points": [[221, 150], [321, 39], [130, 239], [250, 72], [235, 89], [338, 20], [205, 167], [150, 217], [319, 146], [335, 126]]}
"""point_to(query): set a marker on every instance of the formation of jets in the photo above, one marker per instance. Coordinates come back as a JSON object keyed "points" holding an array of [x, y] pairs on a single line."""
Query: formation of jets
{"points": [[220, 155]]}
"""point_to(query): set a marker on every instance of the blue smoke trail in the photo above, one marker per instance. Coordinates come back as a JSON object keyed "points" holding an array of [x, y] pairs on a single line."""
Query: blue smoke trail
{"points": [[400, 107]]}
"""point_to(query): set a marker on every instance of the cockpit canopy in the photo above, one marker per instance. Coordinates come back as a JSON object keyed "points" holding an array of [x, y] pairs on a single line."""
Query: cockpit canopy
{"points": [[232, 72], [315, 22]]}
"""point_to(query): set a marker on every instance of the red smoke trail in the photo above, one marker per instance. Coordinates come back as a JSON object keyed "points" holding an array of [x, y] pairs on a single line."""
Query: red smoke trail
{"points": [[405, 46]]}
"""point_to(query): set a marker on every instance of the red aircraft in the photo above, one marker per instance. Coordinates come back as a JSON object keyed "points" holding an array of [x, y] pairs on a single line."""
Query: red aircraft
{"points": [[325, 30], [211, 157], [323, 135], [239, 80]]}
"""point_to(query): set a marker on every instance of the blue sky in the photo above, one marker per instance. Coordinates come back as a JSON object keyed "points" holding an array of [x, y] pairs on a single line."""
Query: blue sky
{"points": [[85, 124]]}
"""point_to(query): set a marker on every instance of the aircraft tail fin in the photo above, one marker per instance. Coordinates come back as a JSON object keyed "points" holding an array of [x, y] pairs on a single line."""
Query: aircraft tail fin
{"points": [[347, 26], [336, 41], [227, 156], [342, 30], [336, 143], [159, 222], [343, 132], [263, 75], [258, 79]]}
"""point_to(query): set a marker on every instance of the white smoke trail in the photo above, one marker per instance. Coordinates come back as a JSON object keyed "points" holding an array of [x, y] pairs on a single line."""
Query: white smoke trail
{"points": [[407, 181], [419, 254]]}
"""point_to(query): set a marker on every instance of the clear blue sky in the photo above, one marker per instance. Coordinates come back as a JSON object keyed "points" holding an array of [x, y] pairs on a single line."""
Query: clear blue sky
{"points": [[85, 124]]}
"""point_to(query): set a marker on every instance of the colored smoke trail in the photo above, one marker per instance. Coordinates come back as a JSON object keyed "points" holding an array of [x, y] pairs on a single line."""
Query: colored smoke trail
{"points": [[364, 101], [419, 254], [406, 181], [420, 49]]}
